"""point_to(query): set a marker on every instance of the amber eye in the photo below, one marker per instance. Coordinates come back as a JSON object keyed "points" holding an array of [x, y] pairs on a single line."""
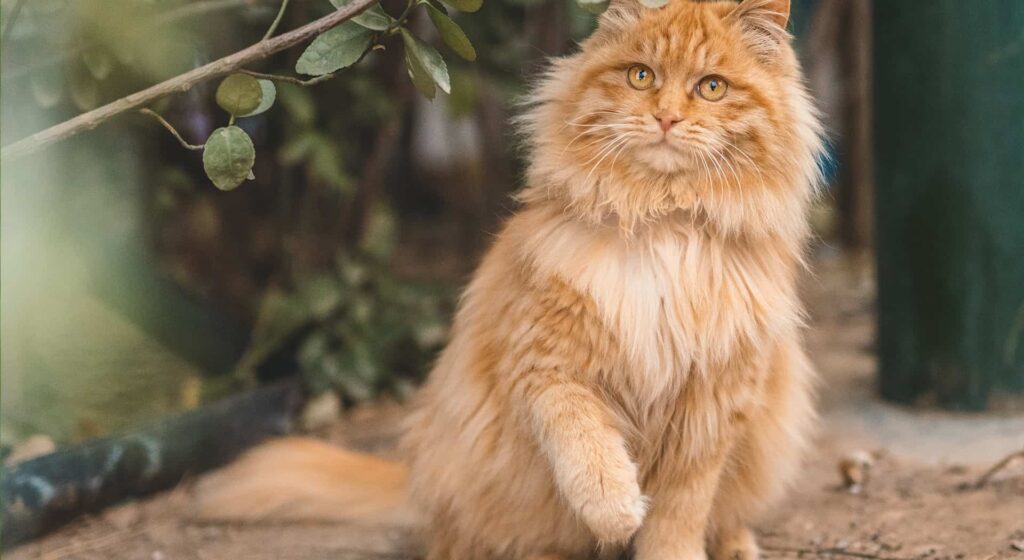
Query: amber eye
{"points": [[713, 88], [640, 76]]}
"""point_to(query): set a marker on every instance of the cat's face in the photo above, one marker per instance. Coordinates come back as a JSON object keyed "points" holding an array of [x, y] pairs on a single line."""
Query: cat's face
{"points": [[688, 88], [696, 108]]}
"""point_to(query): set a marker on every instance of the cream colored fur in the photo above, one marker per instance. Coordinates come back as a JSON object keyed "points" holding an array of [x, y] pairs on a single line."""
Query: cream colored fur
{"points": [[625, 370]]}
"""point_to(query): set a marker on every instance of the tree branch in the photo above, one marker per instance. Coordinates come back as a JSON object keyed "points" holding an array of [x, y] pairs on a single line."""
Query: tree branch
{"points": [[184, 82], [170, 128], [1002, 464], [277, 20], [289, 79]]}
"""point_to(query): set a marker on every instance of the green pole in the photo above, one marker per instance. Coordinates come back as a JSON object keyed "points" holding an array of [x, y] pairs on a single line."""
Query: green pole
{"points": [[949, 127]]}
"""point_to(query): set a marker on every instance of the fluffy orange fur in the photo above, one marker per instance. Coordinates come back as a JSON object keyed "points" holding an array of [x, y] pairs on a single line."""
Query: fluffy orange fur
{"points": [[625, 369]]}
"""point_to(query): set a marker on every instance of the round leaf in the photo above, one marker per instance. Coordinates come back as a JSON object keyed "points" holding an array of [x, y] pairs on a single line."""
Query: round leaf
{"points": [[452, 34], [427, 59], [228, 157], [335, 49], [465, 5], [269, 96], [374, 17], [239, 94]]}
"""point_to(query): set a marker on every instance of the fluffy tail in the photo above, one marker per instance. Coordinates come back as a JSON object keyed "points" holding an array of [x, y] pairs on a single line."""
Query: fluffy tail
{"points": [[301, 479]]}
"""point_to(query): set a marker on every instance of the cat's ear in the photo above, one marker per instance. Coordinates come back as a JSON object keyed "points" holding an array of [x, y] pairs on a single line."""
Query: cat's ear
{"points": [[619, 15], [763, 23]]}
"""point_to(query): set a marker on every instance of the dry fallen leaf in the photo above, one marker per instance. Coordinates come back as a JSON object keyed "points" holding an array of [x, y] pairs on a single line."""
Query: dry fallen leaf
{"points": [[855, 469]]}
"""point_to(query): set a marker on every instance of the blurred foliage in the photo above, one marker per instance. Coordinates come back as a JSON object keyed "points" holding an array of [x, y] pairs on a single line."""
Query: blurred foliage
{"points": [[298, 256], [356, 328]]}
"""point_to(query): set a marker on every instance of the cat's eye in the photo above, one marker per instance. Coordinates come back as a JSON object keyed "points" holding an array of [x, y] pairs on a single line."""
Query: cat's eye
{"points": [[640, 76], [712, 88]]}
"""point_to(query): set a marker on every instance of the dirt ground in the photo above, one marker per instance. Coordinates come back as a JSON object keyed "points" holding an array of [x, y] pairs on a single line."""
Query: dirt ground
{"points": [[918, 502]]}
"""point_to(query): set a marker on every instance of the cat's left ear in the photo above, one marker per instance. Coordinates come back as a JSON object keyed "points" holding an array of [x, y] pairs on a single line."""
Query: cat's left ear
{"points": [[619, 15], [763, 23]]}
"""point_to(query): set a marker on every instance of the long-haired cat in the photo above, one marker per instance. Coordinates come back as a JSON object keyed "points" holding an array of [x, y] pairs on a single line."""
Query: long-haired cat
{"points": [[625, 371]]}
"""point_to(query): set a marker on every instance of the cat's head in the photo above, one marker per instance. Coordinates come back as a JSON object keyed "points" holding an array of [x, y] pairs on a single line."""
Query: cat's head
{"points": [[695, 107]]}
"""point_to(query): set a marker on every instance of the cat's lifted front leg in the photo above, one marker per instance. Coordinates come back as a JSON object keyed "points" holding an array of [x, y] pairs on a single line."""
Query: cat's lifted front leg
{"points": [[588, 455]]}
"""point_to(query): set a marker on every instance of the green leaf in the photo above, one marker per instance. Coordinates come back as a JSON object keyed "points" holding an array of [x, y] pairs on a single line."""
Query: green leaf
{"points": [[654, 3], [98, 61], [335, 49], [267, 101], [374, 17], [298, 148], [85, 91], [279, 319], [322, 295], [228, 157], [419, 76], [298, 101], [452, 34], [47, 86], [465, 5], [425, 65], [594, 6], [239, 94]]}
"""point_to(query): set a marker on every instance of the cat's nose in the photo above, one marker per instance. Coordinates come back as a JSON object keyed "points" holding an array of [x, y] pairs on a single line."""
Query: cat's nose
{"points": [[666, 120]]}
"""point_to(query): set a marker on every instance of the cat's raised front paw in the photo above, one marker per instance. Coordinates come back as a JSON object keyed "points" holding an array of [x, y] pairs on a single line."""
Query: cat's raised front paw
{"points": [[615, 518]]}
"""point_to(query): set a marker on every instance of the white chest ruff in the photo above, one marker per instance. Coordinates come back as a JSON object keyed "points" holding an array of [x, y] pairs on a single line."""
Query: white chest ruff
{"points": [[678, 302]]}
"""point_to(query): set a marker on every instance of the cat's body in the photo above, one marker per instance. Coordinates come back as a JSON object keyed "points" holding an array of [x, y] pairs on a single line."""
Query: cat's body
{"points": [[576, 385], [625, 369]]}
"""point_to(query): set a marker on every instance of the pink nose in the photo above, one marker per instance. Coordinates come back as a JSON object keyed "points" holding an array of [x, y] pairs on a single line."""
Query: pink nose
{"points": [[667, 120]]}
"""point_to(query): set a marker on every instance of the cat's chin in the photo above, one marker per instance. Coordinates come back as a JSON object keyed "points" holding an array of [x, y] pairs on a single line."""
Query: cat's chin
{"points": [[664, 158]]}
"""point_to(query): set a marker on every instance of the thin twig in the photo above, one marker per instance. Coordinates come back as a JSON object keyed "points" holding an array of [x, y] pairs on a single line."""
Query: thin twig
{"points": [[277, 20], [183, 82], [170, 128], [1002, 464], [289, 79], [11, 18]]}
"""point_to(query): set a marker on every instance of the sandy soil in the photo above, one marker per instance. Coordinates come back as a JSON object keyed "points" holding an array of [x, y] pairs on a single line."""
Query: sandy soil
{"points": [[918, 502]]}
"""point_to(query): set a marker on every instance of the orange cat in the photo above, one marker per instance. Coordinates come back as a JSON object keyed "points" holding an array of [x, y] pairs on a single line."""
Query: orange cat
{"points": [[625, 369]]}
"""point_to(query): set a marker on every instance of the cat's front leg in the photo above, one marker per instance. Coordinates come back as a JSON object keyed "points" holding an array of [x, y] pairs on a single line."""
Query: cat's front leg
{"points": [[681, 504], [592, 467]]}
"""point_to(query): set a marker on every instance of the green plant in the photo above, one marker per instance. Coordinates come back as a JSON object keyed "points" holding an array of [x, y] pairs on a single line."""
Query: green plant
{"points": [[356, 329]]}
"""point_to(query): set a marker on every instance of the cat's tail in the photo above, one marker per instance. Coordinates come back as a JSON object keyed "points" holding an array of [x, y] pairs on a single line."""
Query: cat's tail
{"points": [[303, 479]]}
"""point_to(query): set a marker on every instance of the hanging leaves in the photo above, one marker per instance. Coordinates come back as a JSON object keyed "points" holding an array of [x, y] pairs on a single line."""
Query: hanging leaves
{"points": [[228, 157], [268, 97], [465, 5], [335, 49], [239, 94], [425, 66], [451, 33], [373, 18]]}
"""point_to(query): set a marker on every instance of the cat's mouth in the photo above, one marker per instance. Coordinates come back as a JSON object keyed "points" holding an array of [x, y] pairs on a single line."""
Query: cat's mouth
{"points": [[667, 154]]}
